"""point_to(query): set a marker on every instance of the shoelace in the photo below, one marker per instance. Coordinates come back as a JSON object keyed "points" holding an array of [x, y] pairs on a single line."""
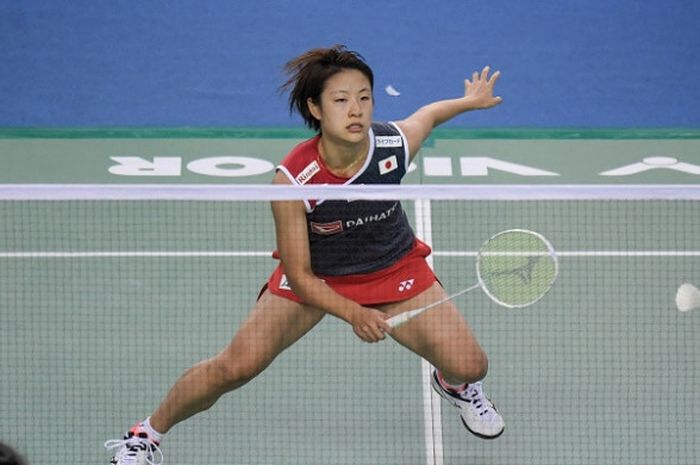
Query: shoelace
{"points": [[475, 395], [129, 447]]}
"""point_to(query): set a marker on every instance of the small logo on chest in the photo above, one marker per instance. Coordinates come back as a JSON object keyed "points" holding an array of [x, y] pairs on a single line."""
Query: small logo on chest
{"points": [[308, 172], [388, 141], [326, 229]]}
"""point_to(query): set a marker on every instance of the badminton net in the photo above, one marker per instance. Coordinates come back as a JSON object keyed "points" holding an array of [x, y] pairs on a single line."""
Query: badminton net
{"points": [[109, 293]]}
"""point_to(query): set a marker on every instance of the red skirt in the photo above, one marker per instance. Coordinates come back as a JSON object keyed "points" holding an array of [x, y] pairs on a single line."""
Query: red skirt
{"points": [[403, 280]]}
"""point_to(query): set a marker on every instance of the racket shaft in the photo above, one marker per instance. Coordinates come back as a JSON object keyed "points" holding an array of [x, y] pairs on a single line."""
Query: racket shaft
{"points": [[404, 317]]}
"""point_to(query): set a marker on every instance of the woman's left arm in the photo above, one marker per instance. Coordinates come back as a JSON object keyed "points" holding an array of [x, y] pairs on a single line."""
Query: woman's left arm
{"points": [[478, 94]]}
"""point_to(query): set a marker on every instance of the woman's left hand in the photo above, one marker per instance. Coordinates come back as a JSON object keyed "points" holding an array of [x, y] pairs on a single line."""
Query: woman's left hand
{"points": [[479, 90]]}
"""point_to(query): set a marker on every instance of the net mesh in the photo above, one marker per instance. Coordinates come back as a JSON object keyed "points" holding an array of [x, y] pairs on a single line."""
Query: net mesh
{"points": [[105, 303]]}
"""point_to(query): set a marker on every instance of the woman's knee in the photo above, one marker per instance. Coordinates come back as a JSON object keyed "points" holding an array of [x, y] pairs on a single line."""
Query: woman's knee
{"points": [[232, 372], [468, 369]]}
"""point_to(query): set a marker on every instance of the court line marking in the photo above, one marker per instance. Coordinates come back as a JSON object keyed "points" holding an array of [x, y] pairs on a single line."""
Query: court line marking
{"points": [[229, 253], [164, 253], [432, 414], [594, 253]]}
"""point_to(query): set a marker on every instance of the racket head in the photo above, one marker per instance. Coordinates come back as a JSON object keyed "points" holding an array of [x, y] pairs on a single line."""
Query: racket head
{"points": [[516, 267]]}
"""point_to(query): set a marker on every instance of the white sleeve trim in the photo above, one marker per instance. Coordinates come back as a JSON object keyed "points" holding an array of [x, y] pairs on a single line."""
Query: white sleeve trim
{"points": [[407, 152], [286, 172]]}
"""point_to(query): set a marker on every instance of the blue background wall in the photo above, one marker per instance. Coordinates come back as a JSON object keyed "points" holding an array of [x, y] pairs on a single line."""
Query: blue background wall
{"points": [[578, 63]]}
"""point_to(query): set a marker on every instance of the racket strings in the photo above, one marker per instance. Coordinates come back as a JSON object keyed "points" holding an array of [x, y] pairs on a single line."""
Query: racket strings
{"points": [[516, 268], [524, 272]]}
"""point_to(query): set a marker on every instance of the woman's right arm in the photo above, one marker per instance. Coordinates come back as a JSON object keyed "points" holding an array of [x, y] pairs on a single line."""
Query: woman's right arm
{"points": [[293, 246]]}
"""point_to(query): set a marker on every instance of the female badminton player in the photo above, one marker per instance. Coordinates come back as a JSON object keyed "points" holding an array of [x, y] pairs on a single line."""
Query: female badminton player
{"points": [[359, 261]]}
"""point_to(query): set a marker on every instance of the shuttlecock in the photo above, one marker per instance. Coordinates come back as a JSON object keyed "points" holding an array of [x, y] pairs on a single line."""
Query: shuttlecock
{"points": [[391, 91], [687, 297]]}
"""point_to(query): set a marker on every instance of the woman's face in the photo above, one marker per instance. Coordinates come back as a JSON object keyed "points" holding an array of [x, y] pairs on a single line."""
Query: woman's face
{"points": [[346, 105]]}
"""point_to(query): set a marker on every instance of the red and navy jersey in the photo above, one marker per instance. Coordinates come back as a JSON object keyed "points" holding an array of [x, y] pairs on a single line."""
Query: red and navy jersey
{"points": [[359, 236]]}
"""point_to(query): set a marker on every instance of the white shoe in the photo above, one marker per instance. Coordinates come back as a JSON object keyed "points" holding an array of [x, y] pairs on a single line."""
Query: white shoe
{"points": [[478, 414], [135, 449]]}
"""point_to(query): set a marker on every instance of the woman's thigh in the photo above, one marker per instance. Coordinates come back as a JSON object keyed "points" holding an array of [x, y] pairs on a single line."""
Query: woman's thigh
{"points": [[274, 324], [441, 335]]}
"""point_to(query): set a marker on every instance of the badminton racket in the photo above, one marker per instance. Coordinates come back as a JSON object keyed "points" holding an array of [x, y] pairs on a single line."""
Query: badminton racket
{"points": [[514, 268]]}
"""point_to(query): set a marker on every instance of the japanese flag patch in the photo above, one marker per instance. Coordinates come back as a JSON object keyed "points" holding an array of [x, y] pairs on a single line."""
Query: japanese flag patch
{"points": [[388, 164]]}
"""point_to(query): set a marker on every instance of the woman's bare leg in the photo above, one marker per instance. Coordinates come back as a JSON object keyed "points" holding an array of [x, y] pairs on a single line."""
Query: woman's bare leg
{"points": [[273, 325], [442, 337]]}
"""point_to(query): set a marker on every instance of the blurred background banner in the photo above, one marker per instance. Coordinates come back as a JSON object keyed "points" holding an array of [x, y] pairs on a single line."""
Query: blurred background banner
{"points": [[592, 63]]}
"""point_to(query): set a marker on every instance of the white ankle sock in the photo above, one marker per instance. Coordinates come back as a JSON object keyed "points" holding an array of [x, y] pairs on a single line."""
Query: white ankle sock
{"points": [[152, 433], [451, 387]]}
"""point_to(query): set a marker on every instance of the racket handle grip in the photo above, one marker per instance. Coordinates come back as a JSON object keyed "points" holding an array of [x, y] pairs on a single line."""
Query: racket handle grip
{"points": [[401, 318], [398, 320]]}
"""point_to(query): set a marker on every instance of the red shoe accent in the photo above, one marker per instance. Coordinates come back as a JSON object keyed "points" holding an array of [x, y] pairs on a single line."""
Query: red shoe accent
{"points": [[448, 387]]}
